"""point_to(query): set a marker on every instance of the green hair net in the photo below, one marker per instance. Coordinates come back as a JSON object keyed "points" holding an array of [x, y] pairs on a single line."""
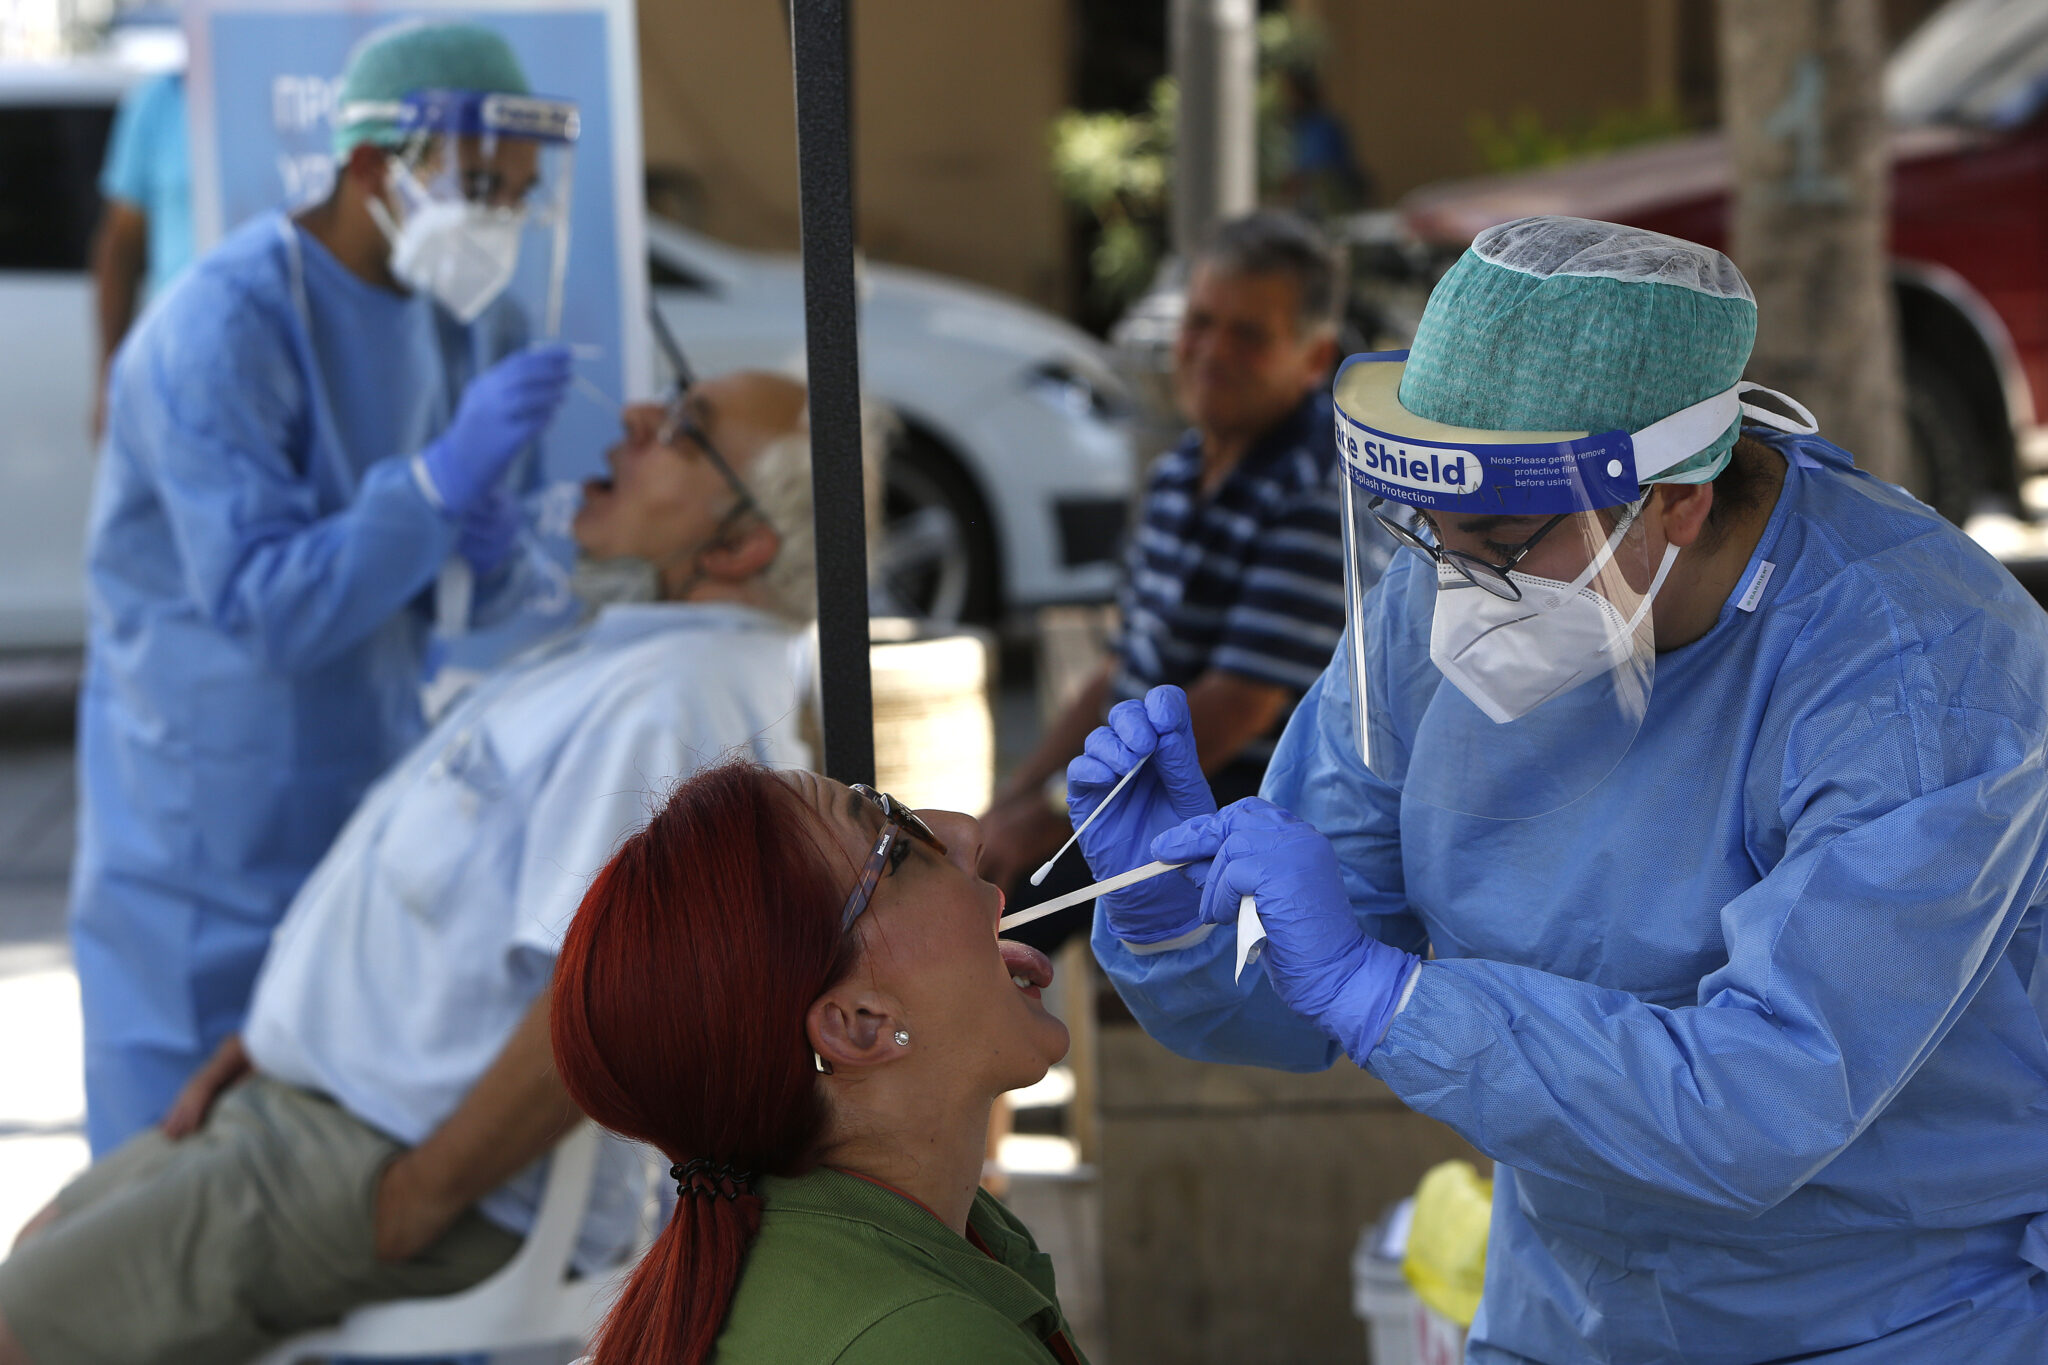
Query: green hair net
{"points": [[1565, 324], [414, 55]]}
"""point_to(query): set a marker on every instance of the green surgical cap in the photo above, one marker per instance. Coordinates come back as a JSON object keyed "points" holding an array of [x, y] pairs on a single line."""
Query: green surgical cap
{"points": [[1565, 324], [415, 55]]}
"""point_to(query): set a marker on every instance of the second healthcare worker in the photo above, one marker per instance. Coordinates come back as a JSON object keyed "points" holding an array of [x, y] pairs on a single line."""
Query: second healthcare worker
{"points": [[320, 414], [1672, 823]]}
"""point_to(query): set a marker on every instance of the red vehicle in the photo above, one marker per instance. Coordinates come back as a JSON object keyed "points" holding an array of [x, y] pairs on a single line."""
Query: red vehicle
{"points": [[1968, 97]]}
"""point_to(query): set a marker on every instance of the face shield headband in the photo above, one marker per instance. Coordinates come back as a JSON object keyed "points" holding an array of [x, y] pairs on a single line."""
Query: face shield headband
{"points": [[456, 235], [468, 113], [1507, 705], [1393, 454]]}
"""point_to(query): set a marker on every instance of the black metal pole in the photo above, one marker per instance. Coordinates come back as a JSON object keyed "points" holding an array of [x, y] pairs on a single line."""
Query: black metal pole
{"points": [[832, 343]]}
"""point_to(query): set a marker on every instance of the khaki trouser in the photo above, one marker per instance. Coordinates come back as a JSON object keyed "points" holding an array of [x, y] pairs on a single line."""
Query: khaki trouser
{"points": [[214, 1248]]}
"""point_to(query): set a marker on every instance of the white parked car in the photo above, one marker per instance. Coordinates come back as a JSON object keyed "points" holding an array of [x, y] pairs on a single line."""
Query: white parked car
{"points": [[1009, 489], [53, 125], [1014, 478]]}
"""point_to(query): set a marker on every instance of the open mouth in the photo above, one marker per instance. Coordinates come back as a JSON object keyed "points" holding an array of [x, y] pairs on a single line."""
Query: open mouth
{"points": [[1030, 970], [597, 486]]}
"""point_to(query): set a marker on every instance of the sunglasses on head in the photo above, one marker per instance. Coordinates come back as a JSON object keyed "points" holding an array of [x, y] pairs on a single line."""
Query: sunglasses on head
{"points": [[897, 821]]}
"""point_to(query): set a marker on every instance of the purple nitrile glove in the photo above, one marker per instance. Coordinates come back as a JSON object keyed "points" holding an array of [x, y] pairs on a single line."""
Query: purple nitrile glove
{"points": [[1321, 963], [502, 412], [1170, 790], [488, 532]]}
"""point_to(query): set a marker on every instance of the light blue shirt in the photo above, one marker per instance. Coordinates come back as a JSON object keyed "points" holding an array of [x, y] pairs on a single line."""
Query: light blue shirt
{"points": [[149, 166], [423, 937]]}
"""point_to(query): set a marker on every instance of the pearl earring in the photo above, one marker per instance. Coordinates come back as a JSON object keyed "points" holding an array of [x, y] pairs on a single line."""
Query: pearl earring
{"points": [[903, 1037]]}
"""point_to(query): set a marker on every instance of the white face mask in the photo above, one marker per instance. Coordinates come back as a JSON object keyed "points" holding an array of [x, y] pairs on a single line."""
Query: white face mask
{"points": [[1511, 657], [461, 253]]}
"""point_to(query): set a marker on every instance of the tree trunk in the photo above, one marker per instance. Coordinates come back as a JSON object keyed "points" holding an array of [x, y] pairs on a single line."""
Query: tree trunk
{"points": [[1802, 102]]}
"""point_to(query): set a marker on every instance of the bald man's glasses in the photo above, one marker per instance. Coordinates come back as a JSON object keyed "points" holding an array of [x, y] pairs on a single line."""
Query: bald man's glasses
{"points": [[678, 423]]}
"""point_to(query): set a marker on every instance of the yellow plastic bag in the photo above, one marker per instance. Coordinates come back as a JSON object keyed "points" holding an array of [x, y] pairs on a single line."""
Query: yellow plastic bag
{"points": [[1446, 1259]]}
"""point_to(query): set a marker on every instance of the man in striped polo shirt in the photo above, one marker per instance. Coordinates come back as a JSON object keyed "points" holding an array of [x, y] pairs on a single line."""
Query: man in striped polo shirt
{"points": [[1234, 579]]}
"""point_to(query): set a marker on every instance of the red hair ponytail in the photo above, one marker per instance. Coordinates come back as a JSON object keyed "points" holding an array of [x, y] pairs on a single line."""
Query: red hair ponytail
{"points": [[678, 1019]]}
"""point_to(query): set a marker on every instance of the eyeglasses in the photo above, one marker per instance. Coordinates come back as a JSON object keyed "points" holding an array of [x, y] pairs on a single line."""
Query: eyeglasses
{"points": [[1480, 573], [897, 819], [677, 422]]}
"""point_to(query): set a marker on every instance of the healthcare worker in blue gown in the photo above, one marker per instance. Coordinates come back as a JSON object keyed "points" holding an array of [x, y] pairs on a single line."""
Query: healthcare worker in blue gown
{"points": [[320, 415], [1672, 823]]}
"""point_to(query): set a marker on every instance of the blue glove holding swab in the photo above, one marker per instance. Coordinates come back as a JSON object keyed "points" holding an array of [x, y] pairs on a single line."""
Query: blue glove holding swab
{"points": [[1038, 877]]}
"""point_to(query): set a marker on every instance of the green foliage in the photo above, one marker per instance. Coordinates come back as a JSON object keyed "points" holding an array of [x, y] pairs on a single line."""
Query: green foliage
{"points": [[1522, 141], [1285, 40], [1115, 167]]}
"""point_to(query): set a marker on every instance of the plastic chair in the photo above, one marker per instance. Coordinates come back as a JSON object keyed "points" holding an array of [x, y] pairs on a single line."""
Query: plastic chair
{"points": [[533, 1300]]}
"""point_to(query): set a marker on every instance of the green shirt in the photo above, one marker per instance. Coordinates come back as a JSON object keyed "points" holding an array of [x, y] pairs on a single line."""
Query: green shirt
{"points": [[847, 1272]]}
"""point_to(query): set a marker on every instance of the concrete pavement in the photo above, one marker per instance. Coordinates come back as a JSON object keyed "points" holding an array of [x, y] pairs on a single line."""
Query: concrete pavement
{"points": [[42, 1098]]}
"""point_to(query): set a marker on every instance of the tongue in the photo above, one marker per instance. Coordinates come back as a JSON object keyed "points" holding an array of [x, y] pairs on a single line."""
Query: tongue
{"points": [[1026, 961]]}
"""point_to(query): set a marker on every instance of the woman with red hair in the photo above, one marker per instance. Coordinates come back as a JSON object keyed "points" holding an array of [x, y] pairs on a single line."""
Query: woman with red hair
{"points": [[794, 989]]}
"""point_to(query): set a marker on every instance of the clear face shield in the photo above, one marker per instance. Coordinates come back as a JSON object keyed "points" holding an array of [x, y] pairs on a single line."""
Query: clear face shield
{"points": [[1510, 676], [474, 182]]}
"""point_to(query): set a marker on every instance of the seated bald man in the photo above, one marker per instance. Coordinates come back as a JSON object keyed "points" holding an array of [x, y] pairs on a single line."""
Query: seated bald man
{"points": [[377, 1131]]}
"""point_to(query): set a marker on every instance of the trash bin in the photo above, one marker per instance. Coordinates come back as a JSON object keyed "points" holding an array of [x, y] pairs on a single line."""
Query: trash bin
{"points": [[1400, 1329], [1380, 1295]]}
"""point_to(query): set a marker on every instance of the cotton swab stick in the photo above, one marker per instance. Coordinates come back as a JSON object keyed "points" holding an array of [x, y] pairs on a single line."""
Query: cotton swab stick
{"points": [[1038, 877], [1251, 931], [1086, 893], [594, 393]]}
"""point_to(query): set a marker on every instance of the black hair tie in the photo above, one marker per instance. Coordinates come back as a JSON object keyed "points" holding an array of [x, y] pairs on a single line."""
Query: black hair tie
{"points": [[710, 1178]]}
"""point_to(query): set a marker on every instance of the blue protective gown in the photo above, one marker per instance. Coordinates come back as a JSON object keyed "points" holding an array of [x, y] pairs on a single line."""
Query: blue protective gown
{"points": [[1758, 1030], [256, 558]]}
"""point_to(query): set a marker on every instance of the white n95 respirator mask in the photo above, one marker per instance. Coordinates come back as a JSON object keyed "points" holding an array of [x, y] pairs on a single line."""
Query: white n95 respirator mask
{"points": [[458, 252], [1509, 658]]}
